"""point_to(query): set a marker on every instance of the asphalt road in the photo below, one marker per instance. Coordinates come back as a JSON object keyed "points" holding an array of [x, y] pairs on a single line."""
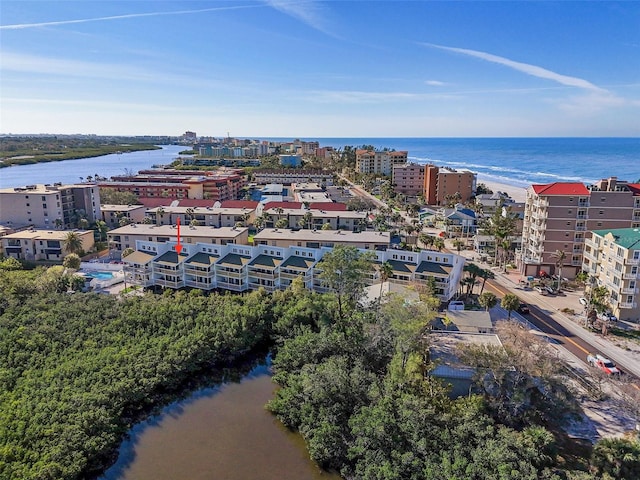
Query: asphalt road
{"points": [[557, 333]]}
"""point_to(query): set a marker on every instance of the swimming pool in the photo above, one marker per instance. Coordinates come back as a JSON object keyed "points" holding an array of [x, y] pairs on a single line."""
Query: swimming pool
{"points": [[99, 275]]}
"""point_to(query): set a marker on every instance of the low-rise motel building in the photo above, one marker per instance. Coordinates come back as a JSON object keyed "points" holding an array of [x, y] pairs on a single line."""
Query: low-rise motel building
{"points": [[285, 237], [243, 267], [205, 216], [336, 219], [49, 245], [612, 259], [125, 237], [112, 215]]}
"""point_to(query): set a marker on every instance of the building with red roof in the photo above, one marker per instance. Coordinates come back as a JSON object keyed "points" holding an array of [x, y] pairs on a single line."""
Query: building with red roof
{"points": [[560, 216]]}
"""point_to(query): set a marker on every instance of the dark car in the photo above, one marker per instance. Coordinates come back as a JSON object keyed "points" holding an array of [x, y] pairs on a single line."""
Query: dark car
{"points": [[524, 309]]}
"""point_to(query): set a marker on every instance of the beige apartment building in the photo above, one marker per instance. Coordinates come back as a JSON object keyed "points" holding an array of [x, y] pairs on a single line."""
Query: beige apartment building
{"points": [[382, 162], [408, 179], [284, 237], [49, 206], [560, 216], [613, 258], [125, 237], [33, 245]]}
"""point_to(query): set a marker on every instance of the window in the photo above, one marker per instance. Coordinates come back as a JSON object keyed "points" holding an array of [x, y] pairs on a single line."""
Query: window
{"points": [[600, 212]]}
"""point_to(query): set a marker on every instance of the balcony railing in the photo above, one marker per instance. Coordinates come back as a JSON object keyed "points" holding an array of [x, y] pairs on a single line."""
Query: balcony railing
{"points": [[629, 276], [169, 283], [233, 286], [632, 261], [627, 305], [200, 284]]}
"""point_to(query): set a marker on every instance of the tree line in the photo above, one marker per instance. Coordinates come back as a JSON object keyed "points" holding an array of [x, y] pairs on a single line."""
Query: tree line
{"points": [[77, 371]]}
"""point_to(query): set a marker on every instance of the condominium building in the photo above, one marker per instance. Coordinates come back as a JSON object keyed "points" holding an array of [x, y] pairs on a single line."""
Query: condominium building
{"points": [[381, 162], [441, 184], [49, 206], [33, 244], [179, 184], [612, 256], [560, 216], [125, 237], [292, 175], [242, 267], [284, 237], [408, 179]]}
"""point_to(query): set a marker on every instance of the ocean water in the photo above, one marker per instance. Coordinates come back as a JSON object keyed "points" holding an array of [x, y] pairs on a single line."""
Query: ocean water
{"points": [[520, 161], [514, 161]]}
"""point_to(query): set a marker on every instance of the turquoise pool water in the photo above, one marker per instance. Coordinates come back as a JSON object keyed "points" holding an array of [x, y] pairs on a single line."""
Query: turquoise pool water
{"points": [[99, 275]]}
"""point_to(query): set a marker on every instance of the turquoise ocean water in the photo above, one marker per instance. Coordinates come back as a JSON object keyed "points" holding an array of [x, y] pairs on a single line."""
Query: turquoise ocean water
{"points": [[515, 161]]}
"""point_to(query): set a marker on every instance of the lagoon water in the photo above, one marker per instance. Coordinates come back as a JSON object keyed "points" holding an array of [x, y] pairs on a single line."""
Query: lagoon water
{"points": [[218, 433], [514, 161], [72, 171]]}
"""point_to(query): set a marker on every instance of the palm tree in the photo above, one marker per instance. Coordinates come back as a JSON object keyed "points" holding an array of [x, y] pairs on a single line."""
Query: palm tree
{"points": [[488, 300], [438, 243], [72, 243], [282, 223], [101, 227], [427, 240], [485, 275], [458, 244], [510, 302], [386, 272], [559, 256]]}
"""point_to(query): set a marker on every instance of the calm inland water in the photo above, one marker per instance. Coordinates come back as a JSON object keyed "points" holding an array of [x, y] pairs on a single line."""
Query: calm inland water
{"points": [[217, 433]]}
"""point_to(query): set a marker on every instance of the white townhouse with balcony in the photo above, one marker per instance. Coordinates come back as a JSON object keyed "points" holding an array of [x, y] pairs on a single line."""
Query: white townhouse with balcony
{"points": [[242, 267]]}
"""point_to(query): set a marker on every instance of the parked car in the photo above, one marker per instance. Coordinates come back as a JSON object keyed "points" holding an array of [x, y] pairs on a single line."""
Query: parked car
{"points": [[540, 290], [550, 290], [603, 363], [583, 301], [523, 309], [607, 316]]}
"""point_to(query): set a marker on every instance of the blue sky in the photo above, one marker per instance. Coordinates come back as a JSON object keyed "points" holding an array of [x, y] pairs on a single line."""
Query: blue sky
{"points": [[320, 68]]}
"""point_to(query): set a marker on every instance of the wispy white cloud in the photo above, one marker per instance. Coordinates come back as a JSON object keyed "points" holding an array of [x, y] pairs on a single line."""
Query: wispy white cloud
{"points": [[310, 12], [354, 96], [20, 26], [529, 69], [62, 67], [435, 83]]}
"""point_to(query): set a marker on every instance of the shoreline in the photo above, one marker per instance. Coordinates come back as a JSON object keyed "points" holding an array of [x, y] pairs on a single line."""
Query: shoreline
{"points": [[519, 194]]}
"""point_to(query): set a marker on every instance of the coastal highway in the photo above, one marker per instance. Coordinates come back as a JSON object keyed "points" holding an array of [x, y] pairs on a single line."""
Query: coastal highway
{"points": [[558, 334]]}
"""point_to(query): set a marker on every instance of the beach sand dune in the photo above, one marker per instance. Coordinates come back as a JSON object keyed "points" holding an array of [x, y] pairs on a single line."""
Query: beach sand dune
{"points": [[517, 193]]}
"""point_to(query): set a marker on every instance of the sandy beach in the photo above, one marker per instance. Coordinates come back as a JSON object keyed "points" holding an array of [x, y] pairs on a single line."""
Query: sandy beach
{"points": [[517, 193]]}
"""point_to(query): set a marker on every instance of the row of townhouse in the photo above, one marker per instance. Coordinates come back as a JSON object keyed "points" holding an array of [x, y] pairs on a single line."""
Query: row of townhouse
{"points": [[241, 267], [560, 216], [612, 260]]}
